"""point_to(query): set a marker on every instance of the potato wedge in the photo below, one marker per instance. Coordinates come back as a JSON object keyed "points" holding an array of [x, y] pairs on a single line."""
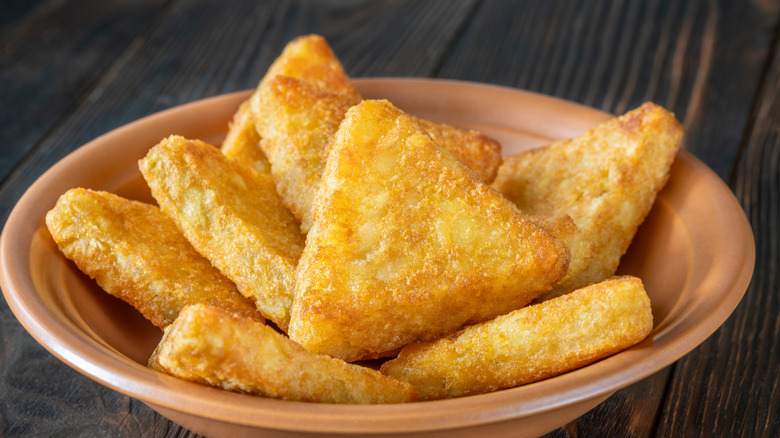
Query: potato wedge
{"points": [[232, 215], [529, 344], [136, 253], [408, 243], [221, 349]]}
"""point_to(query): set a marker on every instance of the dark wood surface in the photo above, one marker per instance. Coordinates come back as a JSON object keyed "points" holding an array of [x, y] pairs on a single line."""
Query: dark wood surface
{"points": [[71, 70]]}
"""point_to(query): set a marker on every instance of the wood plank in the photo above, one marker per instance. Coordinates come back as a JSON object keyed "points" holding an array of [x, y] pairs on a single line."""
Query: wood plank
{"points": [[632, 412], [16, 13], [730, 386], [420, 34], [43, 397], [53, 58]]}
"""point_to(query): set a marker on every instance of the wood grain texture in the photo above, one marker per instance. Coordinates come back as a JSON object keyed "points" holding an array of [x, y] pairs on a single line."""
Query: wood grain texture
{"points": [[49, 62], [627, 413], [730, 385], [615, 55], [15, 15], [74, 69]]}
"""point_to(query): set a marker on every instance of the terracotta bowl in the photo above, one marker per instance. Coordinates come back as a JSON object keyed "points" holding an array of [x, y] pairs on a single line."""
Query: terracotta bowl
{"points": [[695, 253]]}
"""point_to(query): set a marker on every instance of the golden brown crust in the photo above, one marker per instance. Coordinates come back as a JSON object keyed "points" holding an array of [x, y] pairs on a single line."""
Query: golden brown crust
{"points": [[529, 344], [217, 348], [473, 148], [231, 215], [307, 58], [606, 180], [310, 59], [242, 142], [136, 253], [408, 243], [297, 121], [565, 230]]}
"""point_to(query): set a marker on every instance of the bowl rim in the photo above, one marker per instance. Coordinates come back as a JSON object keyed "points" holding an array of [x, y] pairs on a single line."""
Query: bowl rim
{"points": [[123, 375]]}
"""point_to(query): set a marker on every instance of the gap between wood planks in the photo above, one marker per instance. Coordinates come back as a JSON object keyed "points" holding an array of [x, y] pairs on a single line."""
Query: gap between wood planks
{"points": [[755, 108]]}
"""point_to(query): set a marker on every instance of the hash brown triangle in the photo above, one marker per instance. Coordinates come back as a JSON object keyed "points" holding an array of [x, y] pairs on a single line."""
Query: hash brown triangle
{"points": [[226, 350], [606, 180], [296, 121], [230, 214], [135, 252], [408, 243]]}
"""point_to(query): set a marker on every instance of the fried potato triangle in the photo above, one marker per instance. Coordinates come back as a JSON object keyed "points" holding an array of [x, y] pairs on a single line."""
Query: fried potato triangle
{"points": [[310, 61], [606, 180], [529, 344], [218, 348], [136, 253], [408, 243], [232, 215]]}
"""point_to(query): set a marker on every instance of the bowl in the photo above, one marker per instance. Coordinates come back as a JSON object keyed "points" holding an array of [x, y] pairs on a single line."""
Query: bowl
{"points": [[695, 253]]}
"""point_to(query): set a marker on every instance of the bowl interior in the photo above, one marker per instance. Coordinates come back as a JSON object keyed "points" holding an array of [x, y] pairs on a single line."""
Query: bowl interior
{"points": [[694, 253]]}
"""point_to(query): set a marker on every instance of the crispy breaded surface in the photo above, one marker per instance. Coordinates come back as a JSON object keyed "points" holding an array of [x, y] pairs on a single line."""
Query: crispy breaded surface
{"points": [[136, 253], [218, 348], [473, 148], [566, 231], [310, 59], [408, 243], [242, 142], [297, 121], [231, 215], [606, 180], [529, 344], [298, 106]]}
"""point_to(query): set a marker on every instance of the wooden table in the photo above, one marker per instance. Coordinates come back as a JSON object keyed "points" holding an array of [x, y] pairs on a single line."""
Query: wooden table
{"points": [[71, 70]]}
